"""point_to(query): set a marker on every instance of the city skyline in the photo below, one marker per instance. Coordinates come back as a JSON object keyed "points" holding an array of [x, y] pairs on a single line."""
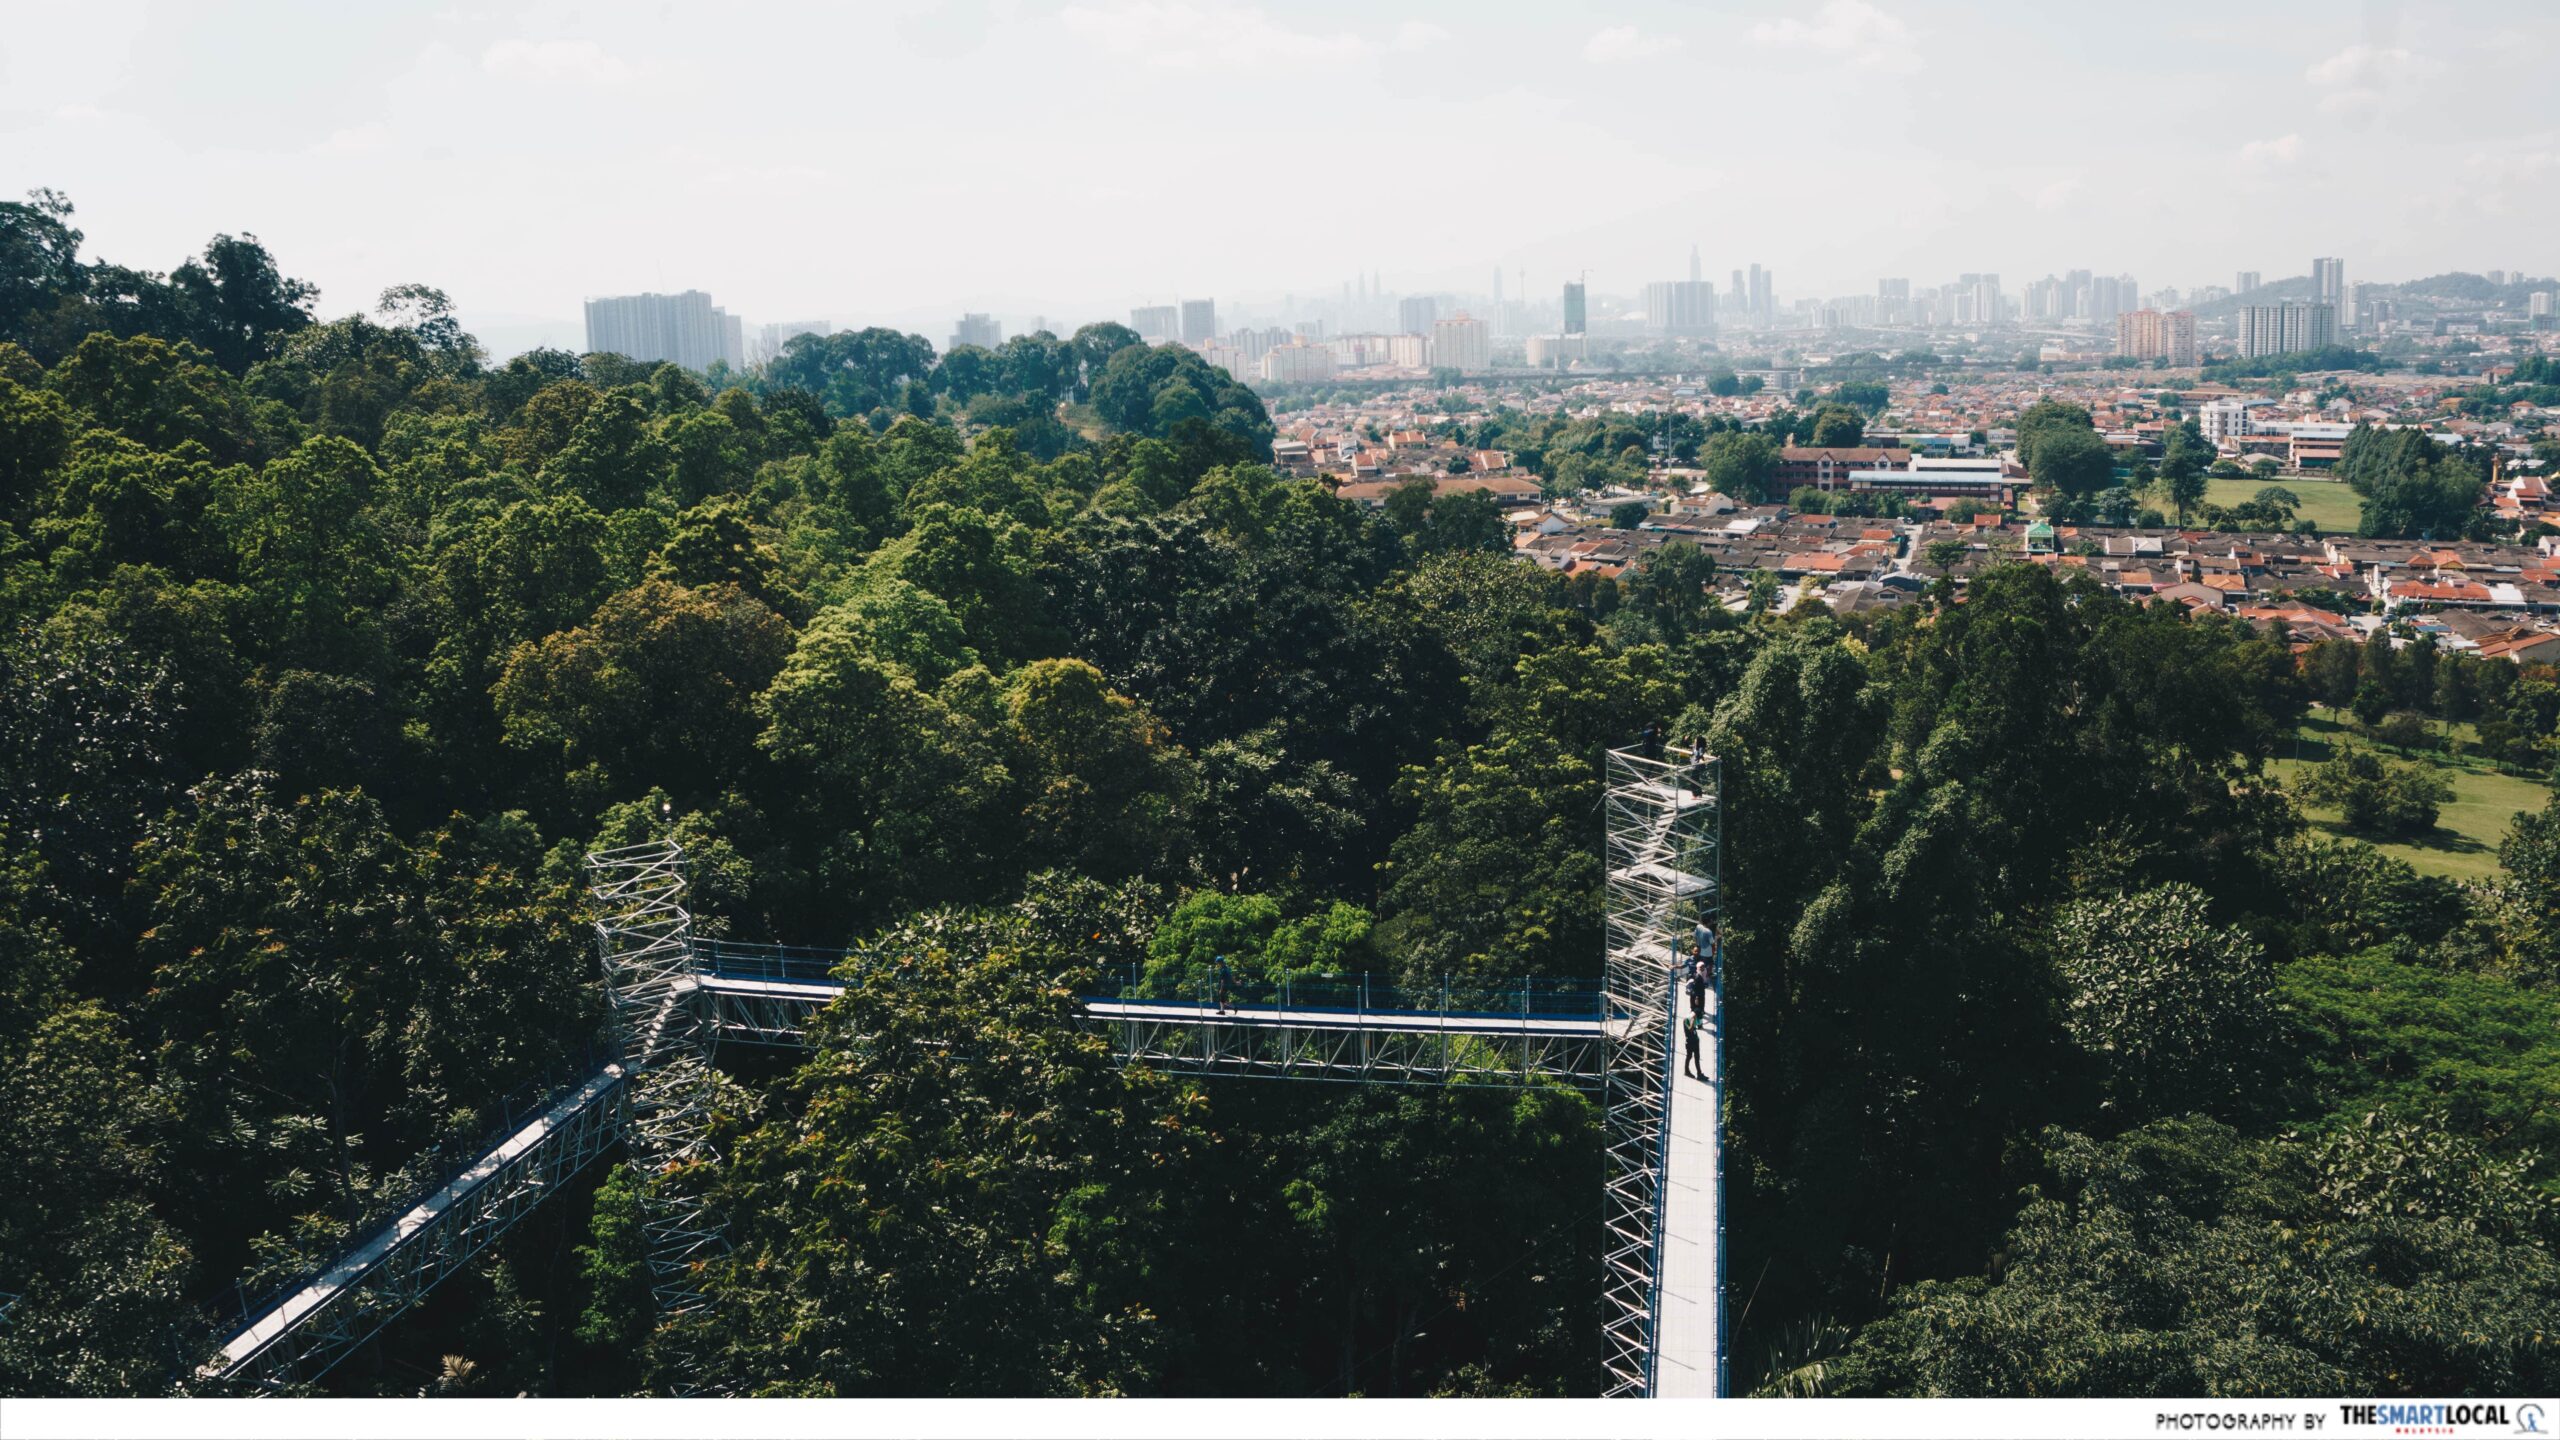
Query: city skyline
{"points": [[2283, 117]]}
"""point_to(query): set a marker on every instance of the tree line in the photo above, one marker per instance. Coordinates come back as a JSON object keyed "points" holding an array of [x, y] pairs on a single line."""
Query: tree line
{"points": [[326, 662]]}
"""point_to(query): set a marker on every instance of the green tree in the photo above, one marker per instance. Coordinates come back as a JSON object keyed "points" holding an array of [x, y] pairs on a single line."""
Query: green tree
{"points": [[998, 1217], [2164, 1000]]}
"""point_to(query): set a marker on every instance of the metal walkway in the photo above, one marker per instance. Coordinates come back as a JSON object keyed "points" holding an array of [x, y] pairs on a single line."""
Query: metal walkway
{"points": [[749, 998], [1688, 1336], [677, 996], [316, 1325]]}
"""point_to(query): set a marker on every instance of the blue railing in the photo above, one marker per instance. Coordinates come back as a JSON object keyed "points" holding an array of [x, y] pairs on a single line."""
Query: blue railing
{"points": [[1350, 993], [1364, 992], [743, 960]]}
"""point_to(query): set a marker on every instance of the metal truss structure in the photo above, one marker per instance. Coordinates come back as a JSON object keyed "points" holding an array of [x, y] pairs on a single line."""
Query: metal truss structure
{"points": [[314, 1325], [1376, 1047], [1664, 828], [660, 1022], [673, 998]]}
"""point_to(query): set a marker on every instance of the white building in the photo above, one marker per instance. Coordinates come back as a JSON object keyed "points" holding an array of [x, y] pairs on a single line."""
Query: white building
{"points": [[1554, 352], [1461, 342], [2222, 420], [685, 329], [1297, 364], [771, 338], [2282, 329]]}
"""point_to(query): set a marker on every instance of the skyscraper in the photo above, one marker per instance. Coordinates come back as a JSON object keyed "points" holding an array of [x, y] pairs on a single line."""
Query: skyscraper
{"points": [[1415, 313], [2247, 281], [1576, 310], [1680, 307], [1156, 324], [1461, 342], [771, 338], [2150, 335], [1199, 321], [685, 329], [2328, 280], [1763, 294], [2283, 329], [1893, 302], [1695, 274], [979, 330], [1738, 298]]}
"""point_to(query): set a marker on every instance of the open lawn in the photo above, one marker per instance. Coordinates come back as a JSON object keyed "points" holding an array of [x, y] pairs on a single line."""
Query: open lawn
{"points": [[2328, 504], [2464, 844]]}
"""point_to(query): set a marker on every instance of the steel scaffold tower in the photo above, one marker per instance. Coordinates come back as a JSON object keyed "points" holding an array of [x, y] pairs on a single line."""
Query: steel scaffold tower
{"points": [[660, 1021], [1664, 828]]}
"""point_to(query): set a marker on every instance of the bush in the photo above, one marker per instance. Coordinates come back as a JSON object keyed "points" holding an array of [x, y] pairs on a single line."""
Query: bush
{"points": [[2405, 730], [2376, 795]]}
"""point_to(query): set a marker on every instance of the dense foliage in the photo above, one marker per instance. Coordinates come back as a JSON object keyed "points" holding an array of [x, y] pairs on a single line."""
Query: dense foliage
{"points": [[329, 649]]}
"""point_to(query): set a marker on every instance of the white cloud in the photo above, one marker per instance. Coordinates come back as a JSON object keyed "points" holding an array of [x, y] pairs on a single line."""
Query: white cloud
{"points": [[2268, 154], [1416, 35], [1851, 31], [354, 140], [578, 62], [1180, 34], [2361, 78], [1620, 43]]}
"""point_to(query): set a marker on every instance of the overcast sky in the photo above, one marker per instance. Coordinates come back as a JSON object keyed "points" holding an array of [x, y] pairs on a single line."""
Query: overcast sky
{"points": [[901, 162]]}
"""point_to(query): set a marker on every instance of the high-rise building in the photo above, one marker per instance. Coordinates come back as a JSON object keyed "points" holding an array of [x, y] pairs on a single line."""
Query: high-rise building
{"points": [[1680, 307], [1695, 274], [1577, 309], [1461, 342], [1738, 299], [1764, 298], [2283, 329], [2106, 300], [2328, 280], [684, 329], [1297, 363], [1157, 324], [2150, 335], [979, 330], [1893, 302], [1977, 299], [1414, 314], [771, 338], [2247, 281], [1199, 321], [2537, 304]]}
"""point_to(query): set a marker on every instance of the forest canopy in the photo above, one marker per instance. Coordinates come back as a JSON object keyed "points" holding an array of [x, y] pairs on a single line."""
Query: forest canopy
{"points": [[331, 646]]}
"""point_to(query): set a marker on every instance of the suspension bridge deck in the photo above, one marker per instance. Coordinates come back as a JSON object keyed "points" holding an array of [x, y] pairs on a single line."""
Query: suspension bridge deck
{"points": [[345, 1279], [1688, 1343]]}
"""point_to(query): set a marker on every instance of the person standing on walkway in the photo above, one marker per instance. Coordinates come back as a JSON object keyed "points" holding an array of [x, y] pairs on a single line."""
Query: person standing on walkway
{"points": [[1697, 993], [1226, 983], [1690, 1065]]}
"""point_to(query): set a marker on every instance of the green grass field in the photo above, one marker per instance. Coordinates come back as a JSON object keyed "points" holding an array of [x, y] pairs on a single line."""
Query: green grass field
{"points": [[2464, 844], [2328, 504]]}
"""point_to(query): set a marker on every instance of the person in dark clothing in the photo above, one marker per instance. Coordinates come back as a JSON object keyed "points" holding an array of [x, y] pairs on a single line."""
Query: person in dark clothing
{"points": [[1649, 740], [1226, 984], [1697, 994], [1690, 1065]]}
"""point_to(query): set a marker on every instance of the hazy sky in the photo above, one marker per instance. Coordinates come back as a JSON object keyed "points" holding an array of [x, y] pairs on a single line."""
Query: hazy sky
{"points": [[900, 162]]}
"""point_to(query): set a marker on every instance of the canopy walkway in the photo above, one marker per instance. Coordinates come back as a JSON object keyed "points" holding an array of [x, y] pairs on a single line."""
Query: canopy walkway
{"points": [[676, 997]]}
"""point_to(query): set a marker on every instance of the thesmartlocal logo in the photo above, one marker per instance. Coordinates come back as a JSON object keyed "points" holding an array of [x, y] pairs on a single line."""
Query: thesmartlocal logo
{"points": [[2444, 1417]]}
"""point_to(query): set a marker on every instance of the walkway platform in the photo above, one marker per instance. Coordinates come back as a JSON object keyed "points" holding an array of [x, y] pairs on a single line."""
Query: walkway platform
{"points": [[347, 1278], [1689, 1345]]}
